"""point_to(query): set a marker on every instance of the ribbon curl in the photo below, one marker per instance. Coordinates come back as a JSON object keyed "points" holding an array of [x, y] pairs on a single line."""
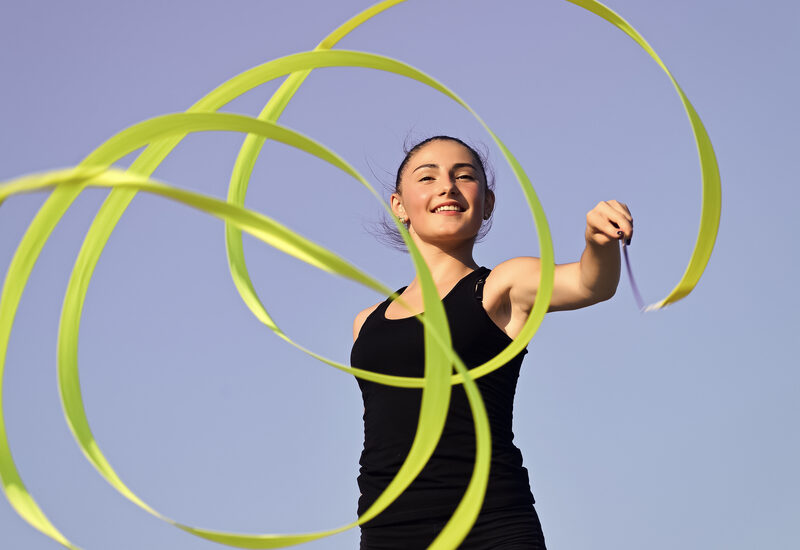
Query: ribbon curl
{"points": [[161, 135]]}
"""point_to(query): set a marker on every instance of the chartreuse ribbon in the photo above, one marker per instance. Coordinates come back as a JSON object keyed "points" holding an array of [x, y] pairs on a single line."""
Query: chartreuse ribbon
{"points": [[160, 135]]}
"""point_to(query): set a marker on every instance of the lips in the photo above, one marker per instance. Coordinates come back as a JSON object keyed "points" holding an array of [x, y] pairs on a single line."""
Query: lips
{"points": [[448, 203]]}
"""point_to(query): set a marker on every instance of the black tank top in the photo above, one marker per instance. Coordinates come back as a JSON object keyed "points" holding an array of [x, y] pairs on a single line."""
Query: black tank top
{"points": [[395, 346]]}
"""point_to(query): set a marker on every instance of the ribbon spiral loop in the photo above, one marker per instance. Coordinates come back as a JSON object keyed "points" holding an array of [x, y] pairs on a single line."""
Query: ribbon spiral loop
{"points": [[161, 135]]}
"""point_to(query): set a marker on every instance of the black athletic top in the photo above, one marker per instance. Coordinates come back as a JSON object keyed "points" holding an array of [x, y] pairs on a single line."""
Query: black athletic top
{"points": [[391, 414]]}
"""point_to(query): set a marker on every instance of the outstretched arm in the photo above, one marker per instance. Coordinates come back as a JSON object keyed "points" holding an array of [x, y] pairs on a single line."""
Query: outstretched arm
{"points": [[579, 284]]}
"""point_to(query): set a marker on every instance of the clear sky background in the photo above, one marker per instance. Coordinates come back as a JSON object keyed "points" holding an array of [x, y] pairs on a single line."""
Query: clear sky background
{"points": [[673, 429]]}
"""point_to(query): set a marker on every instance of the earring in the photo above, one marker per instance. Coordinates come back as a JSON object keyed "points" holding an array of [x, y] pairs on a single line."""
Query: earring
{"points": [[401, 219]]}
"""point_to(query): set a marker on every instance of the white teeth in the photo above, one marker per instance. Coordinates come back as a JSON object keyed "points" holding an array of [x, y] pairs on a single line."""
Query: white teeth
{"points": [[452, 207]]}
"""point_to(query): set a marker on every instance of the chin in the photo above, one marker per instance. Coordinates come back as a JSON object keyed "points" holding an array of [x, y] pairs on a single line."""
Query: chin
{"points": [[449, 237]]}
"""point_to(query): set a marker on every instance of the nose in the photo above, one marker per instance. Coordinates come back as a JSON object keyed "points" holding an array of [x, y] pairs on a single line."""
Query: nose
{"points": [[448, 185]]}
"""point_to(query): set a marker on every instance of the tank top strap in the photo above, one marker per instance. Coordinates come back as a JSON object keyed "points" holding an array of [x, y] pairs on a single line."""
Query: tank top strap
{"points": [[470, 287], [478, 291], [385, 304]]}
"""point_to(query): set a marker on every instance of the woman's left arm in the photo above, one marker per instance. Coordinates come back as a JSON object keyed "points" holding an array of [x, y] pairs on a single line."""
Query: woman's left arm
{"points": [[579, 284]]}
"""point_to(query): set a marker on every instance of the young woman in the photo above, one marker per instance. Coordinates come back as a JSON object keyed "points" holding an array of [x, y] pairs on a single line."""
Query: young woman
{"points": [[443, 196]]}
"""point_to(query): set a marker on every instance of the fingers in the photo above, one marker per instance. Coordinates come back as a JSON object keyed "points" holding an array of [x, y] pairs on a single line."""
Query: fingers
{"points": [[613, 219], [622, 208]]}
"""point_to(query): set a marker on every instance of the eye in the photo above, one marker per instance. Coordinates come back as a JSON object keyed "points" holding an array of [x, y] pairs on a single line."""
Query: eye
{"points": [[426, 178], [465, 176]]}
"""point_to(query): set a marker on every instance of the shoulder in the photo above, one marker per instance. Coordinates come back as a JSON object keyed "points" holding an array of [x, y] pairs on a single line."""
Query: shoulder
{"points": [[361, 317], [515, 268], [510, 274], [516, 280]]}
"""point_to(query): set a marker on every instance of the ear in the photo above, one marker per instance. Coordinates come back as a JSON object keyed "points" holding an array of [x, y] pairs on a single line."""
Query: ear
{"points": [[397, 205], [488, 204]]}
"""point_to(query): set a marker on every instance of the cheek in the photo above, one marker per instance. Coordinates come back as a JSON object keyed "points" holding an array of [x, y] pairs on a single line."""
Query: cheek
{"points": [[418, 202], [475, 195]]}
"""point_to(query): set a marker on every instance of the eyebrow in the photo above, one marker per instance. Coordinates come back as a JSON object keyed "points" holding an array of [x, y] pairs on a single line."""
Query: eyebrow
{"points": [[455, 166]]}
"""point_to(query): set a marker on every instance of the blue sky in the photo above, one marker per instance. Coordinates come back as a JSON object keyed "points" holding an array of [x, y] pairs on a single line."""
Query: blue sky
{"points": [[671, 429]]}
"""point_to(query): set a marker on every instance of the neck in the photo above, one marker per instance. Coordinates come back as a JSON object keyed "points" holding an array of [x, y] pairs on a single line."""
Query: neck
{"points": [[447, 263]]}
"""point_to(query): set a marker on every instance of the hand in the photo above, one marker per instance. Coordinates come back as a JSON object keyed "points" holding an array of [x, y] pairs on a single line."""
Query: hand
{"points": [[608, 222]]}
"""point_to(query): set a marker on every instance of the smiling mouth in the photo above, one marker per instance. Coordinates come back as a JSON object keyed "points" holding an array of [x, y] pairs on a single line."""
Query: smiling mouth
{"points": [[453, 209]]}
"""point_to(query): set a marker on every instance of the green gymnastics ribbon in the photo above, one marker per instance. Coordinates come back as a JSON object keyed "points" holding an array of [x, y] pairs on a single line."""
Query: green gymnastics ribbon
{"points": [[161, 135]]}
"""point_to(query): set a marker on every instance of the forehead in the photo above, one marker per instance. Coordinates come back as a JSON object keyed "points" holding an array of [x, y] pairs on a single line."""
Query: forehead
{"points": [[442, 152]]}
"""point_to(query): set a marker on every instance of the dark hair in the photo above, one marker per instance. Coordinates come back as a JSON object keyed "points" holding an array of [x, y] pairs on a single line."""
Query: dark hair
{"points": [[388, 233]]}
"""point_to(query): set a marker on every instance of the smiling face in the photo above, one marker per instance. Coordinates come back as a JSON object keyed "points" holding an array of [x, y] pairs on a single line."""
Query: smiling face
{"points": [[443, 193]]}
